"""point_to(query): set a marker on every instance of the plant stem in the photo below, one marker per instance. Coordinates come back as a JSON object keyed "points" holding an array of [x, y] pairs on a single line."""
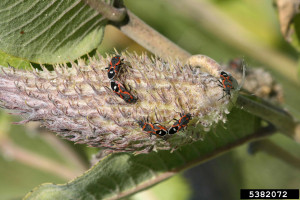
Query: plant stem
{"points": [[279, 118], [274, 150], [152, 40], [34, 160], [60, 146], [67, 152], [139, 31], [109, 12]]}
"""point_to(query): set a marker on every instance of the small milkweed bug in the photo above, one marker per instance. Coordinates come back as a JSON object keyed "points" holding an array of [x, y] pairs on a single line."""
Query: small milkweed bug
{"points": [[120, 90], [114, 67], [180, 123], [236, 64], [152, 129], [226, 83]]}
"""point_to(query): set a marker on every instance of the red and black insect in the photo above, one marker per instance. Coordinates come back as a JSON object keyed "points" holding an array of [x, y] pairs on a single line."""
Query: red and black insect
{"points": [[114, 67], [180, 123], [120, 90], [226, 83], [236, 64], [153, 129]]}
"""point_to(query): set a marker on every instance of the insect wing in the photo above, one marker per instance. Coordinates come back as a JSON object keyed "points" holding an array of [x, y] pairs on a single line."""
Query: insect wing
{"points": [[115, 61]]}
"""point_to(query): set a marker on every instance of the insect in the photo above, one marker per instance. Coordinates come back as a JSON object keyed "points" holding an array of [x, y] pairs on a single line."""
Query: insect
{"points": [[180, 123], [114, 67], [152, 129], [236, 64], [120, 90], [226, 83]]}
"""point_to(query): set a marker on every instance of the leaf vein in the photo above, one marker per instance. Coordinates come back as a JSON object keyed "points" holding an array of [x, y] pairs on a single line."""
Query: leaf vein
{"points": [[30, 21], [78, 27], [11, 6], [20, 14], [62, 27], [51, 24]]}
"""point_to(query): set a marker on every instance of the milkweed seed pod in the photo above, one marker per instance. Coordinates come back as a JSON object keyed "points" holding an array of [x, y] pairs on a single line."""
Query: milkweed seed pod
{"points": [[78, 104], [226, 80], [259, 82]]}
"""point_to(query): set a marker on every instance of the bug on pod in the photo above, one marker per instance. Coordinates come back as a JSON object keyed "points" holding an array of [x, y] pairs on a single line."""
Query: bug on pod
{"points": [[180, 123], [153, 129], [114, 67], [119, 89]]}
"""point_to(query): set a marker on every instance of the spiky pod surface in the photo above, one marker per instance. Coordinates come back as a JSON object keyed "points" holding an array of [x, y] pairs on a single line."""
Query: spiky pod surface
{"points": [[78, 104]]}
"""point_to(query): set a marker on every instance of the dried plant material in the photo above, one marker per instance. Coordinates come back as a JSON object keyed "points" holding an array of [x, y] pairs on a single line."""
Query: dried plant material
{"points": [[78, 104], [258, 81], [287, 10]]}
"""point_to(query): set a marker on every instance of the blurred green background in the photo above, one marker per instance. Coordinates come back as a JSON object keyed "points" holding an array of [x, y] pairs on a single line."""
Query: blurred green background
{"points": [[31, 156]]}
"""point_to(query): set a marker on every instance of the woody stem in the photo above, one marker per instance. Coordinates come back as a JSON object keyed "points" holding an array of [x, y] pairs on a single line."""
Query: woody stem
{"points": [[150, 39]]}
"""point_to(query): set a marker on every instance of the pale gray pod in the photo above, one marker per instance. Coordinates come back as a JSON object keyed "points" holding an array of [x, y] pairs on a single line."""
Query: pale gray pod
{"points": [[78, 104]]}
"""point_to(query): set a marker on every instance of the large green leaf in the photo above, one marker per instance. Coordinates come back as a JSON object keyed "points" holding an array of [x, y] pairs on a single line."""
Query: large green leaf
{"points": [[48, 31], [122, 174]]}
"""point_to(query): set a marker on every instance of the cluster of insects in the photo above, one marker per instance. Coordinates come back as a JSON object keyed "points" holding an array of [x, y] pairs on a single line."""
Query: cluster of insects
{"points": [[118, 88], [157, 129]]}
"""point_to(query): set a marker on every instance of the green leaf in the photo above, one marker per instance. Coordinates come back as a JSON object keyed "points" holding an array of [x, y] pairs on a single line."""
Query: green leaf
{"points": [[175, 188], [122, 174], [295, 37], [48, 31], [6, 59]]}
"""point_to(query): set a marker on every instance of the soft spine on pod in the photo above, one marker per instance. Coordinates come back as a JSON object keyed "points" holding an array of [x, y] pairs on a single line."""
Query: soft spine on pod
{"points": [[78, 104]]}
